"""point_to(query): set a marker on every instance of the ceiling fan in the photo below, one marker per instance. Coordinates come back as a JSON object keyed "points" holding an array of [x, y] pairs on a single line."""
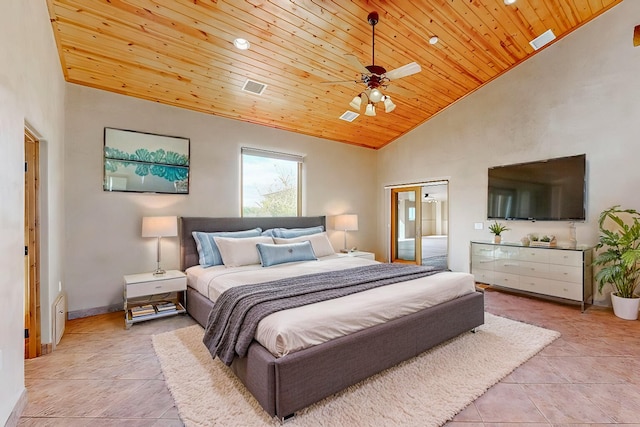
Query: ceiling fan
{"points": [[376, 77]]}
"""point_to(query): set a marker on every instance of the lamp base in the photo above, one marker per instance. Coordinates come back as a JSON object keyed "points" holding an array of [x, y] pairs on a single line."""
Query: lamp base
{"points": [[348, 251], [159, 272]]}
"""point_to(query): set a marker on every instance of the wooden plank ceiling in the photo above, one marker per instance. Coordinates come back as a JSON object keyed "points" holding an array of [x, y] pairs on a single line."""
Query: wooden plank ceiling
{"points": [[181, 53]]}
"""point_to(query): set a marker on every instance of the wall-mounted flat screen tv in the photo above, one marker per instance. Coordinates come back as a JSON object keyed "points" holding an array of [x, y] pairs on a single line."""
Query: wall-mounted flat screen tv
{"points": [[547, 190]]}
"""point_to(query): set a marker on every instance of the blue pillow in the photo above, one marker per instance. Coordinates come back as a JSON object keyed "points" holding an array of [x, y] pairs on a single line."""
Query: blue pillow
{"points": [[288, 233], [291, 252], [208, 252], [269, 232]]}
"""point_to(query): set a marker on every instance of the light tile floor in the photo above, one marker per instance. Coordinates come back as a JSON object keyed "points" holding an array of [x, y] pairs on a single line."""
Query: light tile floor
{"points": [[103, 375]]}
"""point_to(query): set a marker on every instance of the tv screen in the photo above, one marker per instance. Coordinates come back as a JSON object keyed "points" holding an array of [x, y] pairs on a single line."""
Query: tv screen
{"points": [[548, 190]]}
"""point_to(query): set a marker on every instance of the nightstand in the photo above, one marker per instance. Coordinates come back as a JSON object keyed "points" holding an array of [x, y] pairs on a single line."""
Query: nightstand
{"points": [[146, 293], [359, 254]]}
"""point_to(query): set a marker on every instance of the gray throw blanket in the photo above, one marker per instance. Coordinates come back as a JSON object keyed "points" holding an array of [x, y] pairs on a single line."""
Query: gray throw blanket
{"points": [[236, 313]]}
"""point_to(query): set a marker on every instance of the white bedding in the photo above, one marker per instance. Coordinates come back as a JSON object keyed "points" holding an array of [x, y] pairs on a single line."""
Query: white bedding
{"points": [[295, 329]]}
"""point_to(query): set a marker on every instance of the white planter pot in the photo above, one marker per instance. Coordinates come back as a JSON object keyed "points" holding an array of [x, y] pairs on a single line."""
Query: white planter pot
{"points": [[625, 308]]}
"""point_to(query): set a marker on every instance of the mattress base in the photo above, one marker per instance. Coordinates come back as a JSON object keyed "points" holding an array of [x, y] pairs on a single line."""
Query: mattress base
{"points": [[287, 384]]}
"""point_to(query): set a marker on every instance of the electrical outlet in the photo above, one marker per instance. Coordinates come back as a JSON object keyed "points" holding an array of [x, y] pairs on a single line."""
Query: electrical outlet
{"points": [[59, 286], [478, 226]]}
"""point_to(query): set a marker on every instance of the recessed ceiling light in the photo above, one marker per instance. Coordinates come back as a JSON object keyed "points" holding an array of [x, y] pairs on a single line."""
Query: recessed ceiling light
{"points": [[433, 40], [241, 44], [508, 2]]}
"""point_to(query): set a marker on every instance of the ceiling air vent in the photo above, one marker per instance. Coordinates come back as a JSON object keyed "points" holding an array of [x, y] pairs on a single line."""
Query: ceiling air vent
{"points": [[542, 39], [254, 87], [349, 116]]}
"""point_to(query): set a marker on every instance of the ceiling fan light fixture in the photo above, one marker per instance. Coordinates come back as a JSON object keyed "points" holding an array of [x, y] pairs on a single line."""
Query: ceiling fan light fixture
{"points": [[370, 111], [434, 40], [508, 2], [241, 44], [375, 95], [356, 103], [389, 106]]}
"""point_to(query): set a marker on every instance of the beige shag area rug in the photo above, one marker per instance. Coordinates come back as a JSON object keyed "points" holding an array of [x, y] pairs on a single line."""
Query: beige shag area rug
{"points": [[427, 390]]}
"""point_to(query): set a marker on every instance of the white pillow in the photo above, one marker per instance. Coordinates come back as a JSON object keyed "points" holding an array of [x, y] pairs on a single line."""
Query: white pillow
{"points": [[237, 252], [319, 242]]}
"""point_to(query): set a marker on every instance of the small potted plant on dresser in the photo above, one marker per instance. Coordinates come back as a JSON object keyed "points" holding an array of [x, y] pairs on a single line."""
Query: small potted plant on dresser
{"points": [[497, 229], [618, 255]]}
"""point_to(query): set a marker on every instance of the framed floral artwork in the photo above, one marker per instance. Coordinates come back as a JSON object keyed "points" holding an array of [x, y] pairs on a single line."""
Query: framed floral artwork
{"points": [[145, 162]]}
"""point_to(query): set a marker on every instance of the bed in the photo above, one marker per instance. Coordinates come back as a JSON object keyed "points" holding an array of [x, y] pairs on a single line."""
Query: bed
{"points": [[284, 385]]}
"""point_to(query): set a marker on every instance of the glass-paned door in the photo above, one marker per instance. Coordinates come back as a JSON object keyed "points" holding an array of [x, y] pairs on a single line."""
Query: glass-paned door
{"points": [[406, 214]]}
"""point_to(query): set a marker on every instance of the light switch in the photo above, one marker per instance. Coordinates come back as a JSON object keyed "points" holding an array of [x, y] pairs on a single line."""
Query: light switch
{"points": [[478, 226]]}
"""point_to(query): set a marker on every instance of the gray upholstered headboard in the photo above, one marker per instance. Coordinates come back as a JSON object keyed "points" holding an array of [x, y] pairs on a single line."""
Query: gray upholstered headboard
{"points": [[189, 252]]}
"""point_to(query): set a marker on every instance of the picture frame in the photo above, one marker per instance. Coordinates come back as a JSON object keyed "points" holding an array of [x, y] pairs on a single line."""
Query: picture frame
{"points": [[142, 162]]}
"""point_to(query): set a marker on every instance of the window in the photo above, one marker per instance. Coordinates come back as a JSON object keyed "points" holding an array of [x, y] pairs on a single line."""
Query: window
{"points": [[271, 183]]}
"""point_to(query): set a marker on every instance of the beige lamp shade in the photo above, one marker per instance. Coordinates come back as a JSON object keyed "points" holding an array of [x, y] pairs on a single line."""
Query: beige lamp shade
{"points": [[159, 226], [346, 222]]}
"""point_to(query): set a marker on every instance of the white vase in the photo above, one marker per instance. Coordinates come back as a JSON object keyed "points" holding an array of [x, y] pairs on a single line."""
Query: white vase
{"points": [[625, 308]]}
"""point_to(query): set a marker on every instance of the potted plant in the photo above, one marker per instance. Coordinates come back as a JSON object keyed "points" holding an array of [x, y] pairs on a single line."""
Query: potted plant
{"points": [[497, 229], [619, 259]]}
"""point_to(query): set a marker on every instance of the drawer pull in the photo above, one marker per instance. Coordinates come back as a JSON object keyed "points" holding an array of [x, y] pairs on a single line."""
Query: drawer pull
{"points": [[159, 287]]}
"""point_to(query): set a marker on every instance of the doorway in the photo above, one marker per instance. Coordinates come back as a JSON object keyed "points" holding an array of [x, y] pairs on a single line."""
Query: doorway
{"points": [[419, 232], [32, 337]]}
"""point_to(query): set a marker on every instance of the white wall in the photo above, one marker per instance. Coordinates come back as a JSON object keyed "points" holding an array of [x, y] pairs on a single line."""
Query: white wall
{"points": [[32, 90], [103, 240], [577, 96]]}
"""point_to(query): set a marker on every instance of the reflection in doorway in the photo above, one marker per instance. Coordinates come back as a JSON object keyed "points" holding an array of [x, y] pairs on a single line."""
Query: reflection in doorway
{"points": [[435, 224], [419, 223]]}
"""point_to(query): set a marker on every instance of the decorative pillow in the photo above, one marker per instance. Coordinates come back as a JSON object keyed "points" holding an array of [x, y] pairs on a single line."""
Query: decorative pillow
{"points": [[319, 242], [288, 233], [268, 232], [239, 252], [208, 253], [279, 254]]}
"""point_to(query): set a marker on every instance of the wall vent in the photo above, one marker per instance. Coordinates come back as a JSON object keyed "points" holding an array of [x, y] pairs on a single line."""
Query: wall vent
{"points": [[542, 39], [254, 87], [349, 116], [59, 317]]}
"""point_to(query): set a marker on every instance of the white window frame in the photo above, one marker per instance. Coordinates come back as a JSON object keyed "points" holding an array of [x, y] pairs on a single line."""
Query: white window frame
{"points": [[257, 152]]}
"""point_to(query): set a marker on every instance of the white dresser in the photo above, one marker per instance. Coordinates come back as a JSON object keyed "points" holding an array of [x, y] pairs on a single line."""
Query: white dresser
{"points": [[555, 272]]}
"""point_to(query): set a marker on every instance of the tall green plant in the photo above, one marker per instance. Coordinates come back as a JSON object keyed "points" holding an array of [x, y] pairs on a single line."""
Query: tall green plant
{"points": [[621, 255]]}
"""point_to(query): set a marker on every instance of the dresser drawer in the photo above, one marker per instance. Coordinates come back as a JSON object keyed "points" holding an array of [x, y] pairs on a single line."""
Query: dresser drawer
{"points": [[483, 276], [478, 249], [505, 279], [572, 291], [535, 269], [156, 287], [534, 284], [507, 266], [534, 255], [506, 252], [565, 273], [482, 263], [564, 257]]}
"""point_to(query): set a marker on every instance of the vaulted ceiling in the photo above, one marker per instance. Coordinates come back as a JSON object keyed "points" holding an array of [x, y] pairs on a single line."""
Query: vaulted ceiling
{"points": [[181, 53]]}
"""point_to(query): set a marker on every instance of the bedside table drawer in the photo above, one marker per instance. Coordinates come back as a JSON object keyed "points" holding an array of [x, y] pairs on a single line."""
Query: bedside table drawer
{"points": [[156, 287]]}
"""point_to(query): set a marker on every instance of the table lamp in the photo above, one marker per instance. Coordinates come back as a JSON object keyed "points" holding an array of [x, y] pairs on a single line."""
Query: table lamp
{"points": [[159, 227], [346, 222]]}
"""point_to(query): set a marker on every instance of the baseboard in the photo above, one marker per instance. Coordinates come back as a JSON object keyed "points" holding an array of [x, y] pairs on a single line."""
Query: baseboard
{"points": [[46, 348], [15, 415], [77, 314]]}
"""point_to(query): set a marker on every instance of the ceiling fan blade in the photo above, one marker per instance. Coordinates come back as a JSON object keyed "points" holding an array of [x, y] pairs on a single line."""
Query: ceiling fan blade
{"points": [[404, 71], [397, 90], [335, 82], [356, 64]]}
